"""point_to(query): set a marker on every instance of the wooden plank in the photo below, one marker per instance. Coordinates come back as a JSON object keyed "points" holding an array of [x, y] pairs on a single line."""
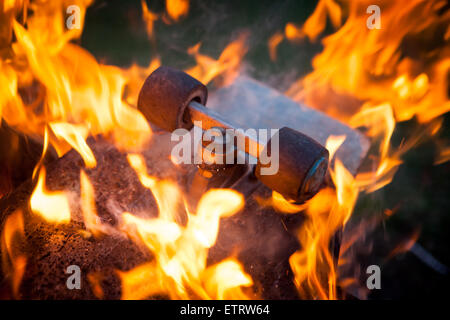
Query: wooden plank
{"points": [[252, 104]]}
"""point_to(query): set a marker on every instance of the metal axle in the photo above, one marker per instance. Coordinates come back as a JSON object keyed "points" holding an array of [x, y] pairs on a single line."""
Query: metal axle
{"points": [[210, 119]]}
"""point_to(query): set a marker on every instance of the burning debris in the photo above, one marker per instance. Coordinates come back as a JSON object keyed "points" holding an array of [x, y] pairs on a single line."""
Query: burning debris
{"points": [[104, 192]]}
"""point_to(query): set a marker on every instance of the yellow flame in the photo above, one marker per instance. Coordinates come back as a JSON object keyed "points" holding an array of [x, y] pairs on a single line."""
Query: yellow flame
{"points": [[75, 137], [179, 268], [281, 204], [333, 143], [91, 219], [53, 206], [225, 280]]}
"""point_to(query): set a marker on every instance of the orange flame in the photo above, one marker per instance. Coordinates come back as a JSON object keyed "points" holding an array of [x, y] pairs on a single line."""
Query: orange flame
{"points": [[281, 204], [75, 95], [367, 64], [149, 19], [292, 32], [329, 210], [13, 260], [227, 65], [72, 97], [362, 78], [273, 43], [177, 9]]}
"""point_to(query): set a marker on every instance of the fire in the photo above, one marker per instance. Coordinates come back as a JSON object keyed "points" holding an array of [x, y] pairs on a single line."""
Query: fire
{"points": [[273, 43], [149, 18], [365, 64], [225, 280], [333, 144], [75, 136], [53, 206], [363, 77], [176, 9], [12, 242], [226, 66], [316, 23], [281, 204], [91, 219], [179, 268], [76, 96], [292, 32], [328, 211], [381, 123], [95, 279]]}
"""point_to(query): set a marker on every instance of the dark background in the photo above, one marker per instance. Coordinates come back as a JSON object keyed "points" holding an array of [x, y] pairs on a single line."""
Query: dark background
{"points": [[115, 33]]}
